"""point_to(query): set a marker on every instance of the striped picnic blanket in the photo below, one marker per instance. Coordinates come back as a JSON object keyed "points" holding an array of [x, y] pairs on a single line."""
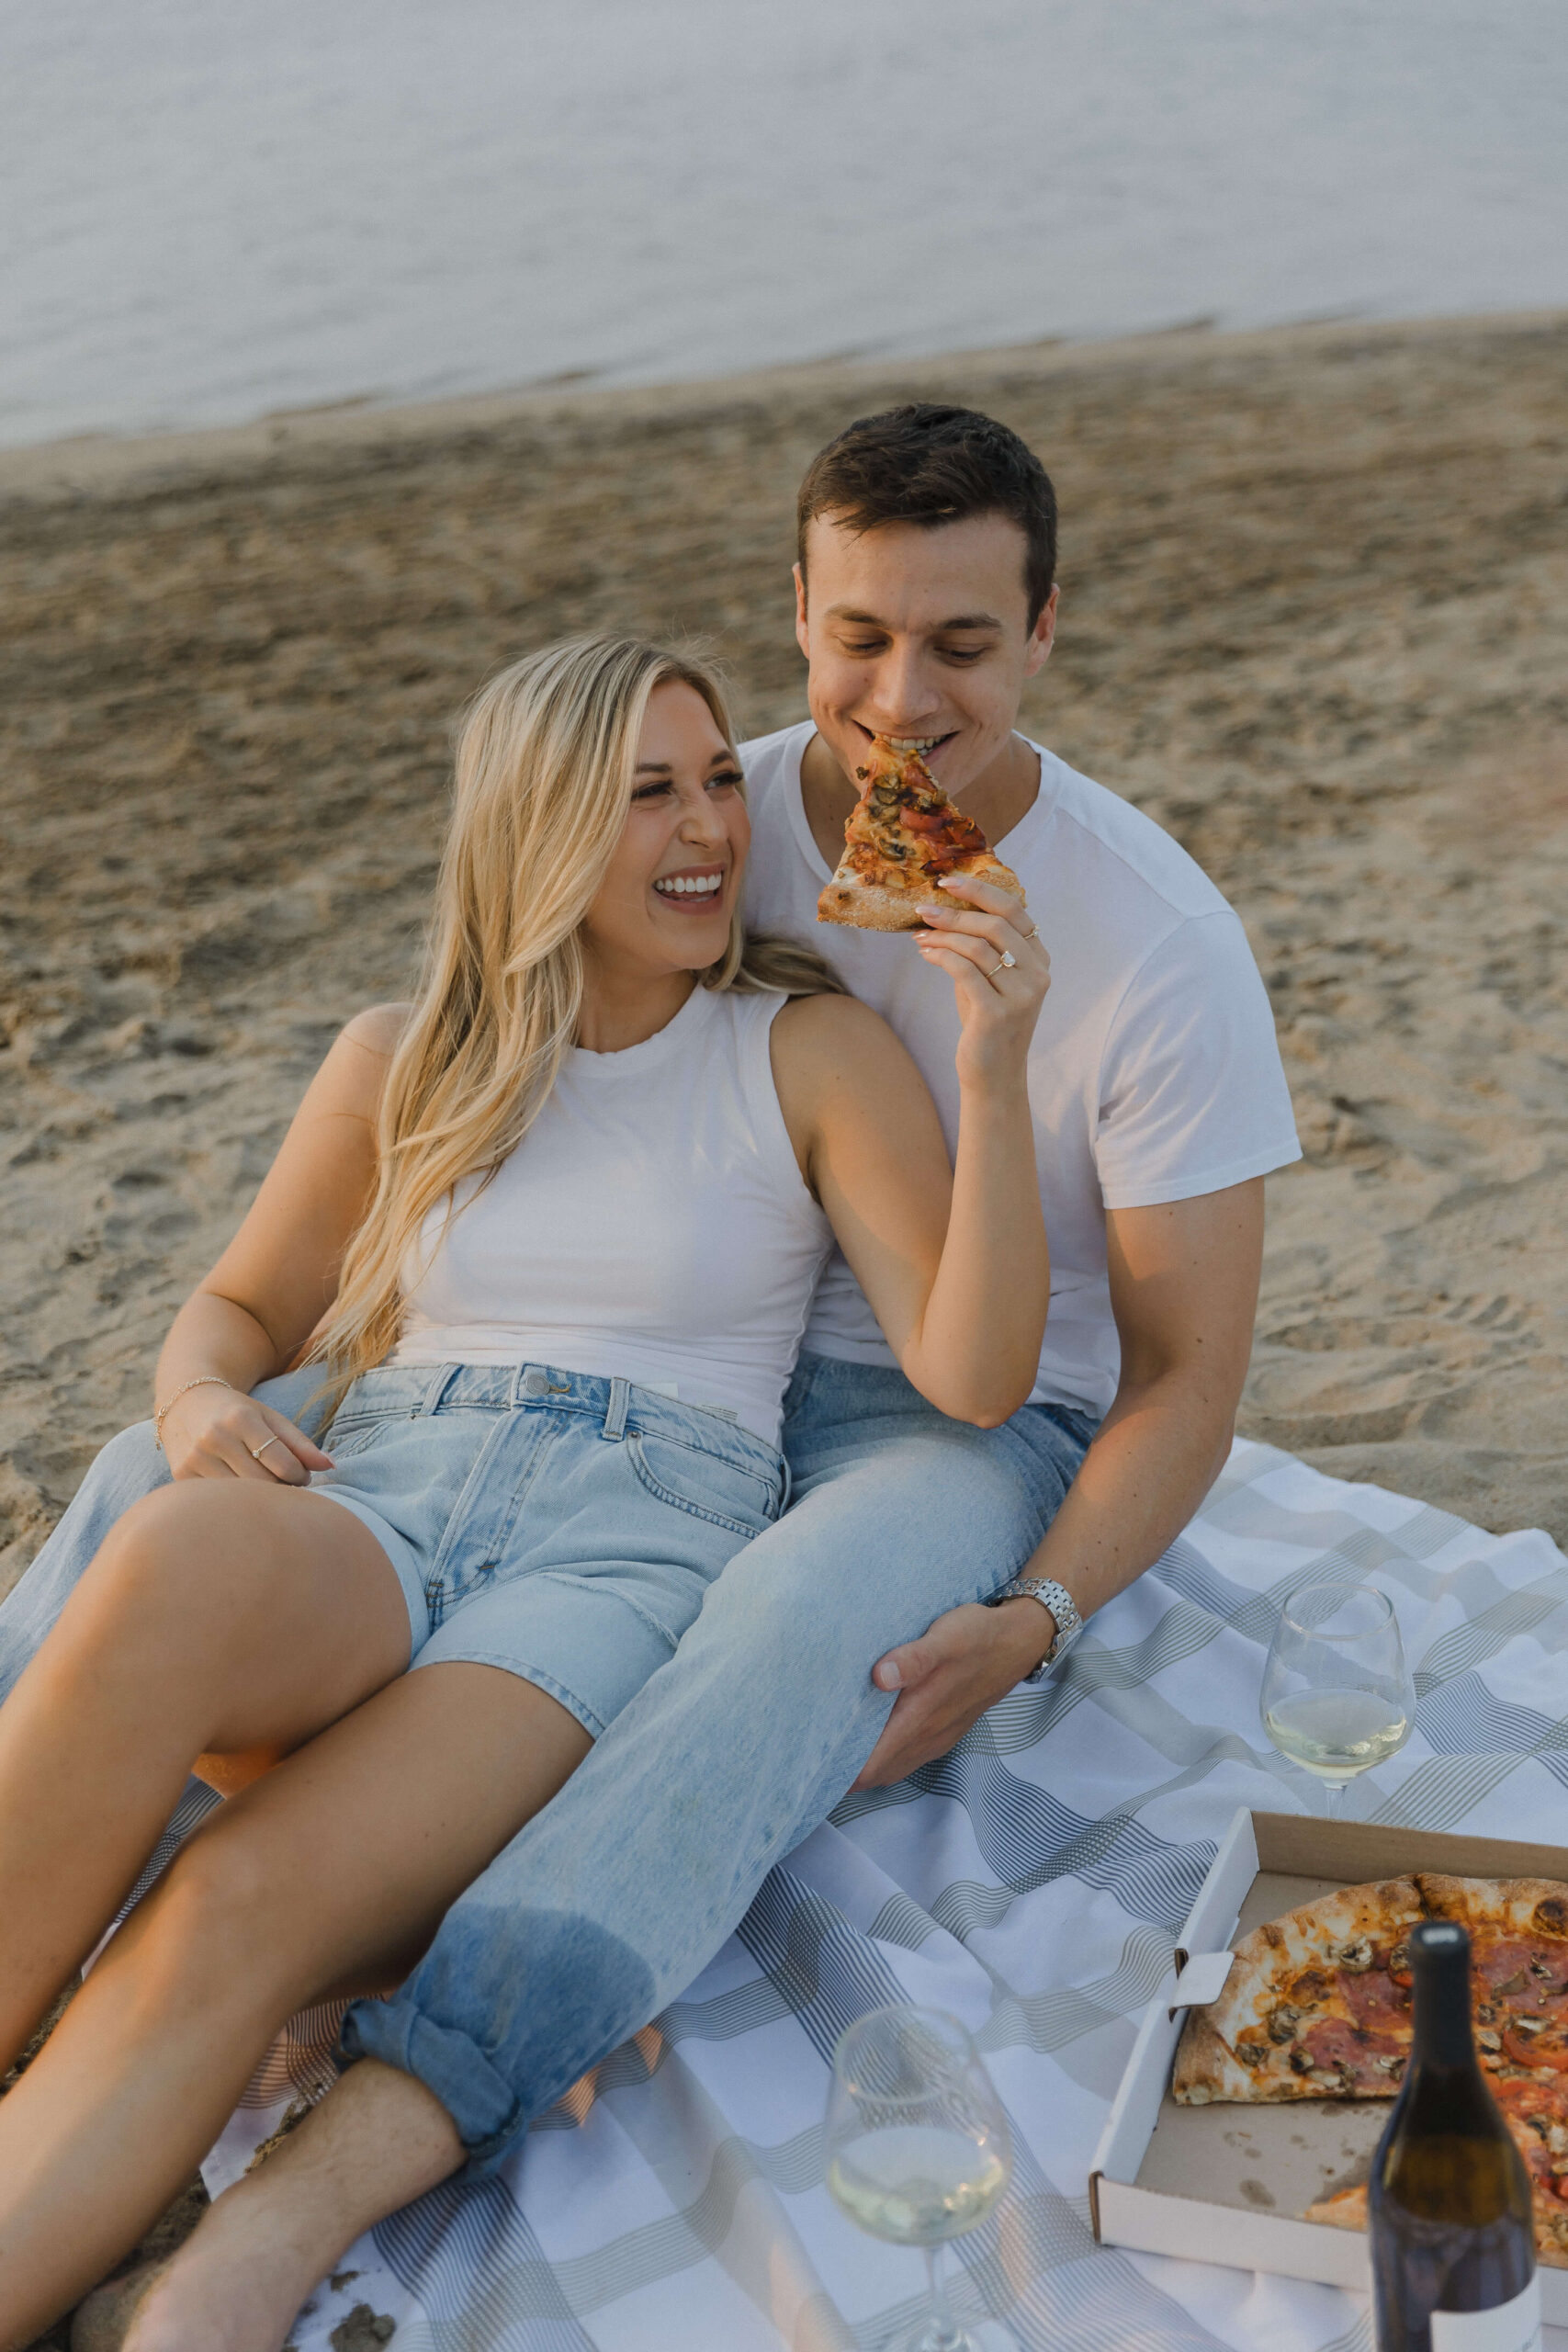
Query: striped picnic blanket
{"points": [[1033, 1883]]}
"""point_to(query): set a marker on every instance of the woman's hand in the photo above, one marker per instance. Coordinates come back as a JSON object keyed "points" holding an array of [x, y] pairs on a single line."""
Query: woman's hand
{"points": [[998, 1003], [217, 1432]]}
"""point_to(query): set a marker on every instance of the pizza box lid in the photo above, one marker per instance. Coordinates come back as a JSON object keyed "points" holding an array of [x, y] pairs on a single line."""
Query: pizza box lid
{"points": [[1227, 2182]]}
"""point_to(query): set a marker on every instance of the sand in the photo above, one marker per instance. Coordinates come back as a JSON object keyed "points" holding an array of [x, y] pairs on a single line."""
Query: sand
{"points": [[1313, 588]]}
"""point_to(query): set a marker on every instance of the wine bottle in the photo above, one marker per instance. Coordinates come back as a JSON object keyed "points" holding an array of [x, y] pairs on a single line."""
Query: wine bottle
{"points": [[1453, 2248]]}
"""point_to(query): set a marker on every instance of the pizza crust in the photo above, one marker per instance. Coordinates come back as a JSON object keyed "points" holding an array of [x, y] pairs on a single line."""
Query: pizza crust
{"points": [[1205, 2069], [866, 906], [1534, 1906], [1346, 2210], [870, 905]]}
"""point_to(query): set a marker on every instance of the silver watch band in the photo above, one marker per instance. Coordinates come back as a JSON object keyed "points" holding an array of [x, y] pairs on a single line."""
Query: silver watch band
{"points": [[1062, 1606]]}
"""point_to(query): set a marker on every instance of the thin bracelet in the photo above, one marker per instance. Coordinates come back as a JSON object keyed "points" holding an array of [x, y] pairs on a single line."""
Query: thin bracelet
{"points": [[202, 1380]]}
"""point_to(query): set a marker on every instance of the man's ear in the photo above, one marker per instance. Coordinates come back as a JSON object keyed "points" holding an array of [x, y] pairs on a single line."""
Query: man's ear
{"points": [[802, 633], [1042, 636]]}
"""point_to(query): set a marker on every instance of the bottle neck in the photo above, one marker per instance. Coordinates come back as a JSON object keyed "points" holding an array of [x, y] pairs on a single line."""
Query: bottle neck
{"points": [[1444, 2041]]}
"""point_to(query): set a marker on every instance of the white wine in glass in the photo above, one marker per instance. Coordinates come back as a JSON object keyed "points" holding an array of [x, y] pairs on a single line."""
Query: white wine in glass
{"points": [[1336, 1698], [917, 2142]]}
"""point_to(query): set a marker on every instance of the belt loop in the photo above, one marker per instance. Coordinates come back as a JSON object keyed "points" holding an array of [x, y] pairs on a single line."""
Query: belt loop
{"points": [[786, 1485], [441, 1380], [512, 1393], [615, 1417]]}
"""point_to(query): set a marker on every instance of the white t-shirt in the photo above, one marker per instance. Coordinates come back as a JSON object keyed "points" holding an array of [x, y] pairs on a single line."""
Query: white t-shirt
{"points": [[1153, 1075]]}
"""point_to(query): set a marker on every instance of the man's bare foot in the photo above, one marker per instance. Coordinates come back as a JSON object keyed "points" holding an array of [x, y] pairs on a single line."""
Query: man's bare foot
{"points": [[375, 2144], [377, 2141]]}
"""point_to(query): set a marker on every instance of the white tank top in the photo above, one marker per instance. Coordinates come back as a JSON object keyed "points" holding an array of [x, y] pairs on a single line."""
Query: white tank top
{"points": [[652, 1226]]}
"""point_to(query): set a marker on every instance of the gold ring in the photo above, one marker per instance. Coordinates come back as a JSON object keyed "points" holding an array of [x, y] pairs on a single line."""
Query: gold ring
{"points": [[1033, 932], [255, 1451]]}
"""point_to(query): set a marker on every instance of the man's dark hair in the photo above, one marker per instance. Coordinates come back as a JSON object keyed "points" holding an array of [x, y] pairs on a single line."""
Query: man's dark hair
{"points": [[923, 463]]}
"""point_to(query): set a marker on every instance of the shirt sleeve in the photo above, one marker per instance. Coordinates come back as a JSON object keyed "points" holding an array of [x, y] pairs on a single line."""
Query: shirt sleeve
{"points": [[1192, 1094]]}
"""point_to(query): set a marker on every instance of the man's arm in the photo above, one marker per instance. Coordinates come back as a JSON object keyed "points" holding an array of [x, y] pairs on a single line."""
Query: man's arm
{"points": [[1184, 1292]]}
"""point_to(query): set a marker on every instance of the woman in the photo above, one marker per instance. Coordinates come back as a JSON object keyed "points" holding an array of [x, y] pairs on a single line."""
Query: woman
{"points": [[552, 1231]]}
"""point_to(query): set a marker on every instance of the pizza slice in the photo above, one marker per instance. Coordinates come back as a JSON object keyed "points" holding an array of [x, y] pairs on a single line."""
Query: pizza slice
{"points": [[1317, 2004], [1537, 2116], [903, 835]]}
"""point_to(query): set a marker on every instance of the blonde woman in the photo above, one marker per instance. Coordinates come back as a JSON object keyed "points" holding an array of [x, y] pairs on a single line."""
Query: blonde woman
{"points": [[552, 1232]]}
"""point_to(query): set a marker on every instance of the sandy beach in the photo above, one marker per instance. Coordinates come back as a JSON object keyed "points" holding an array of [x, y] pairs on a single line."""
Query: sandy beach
{"points": [[1313, 588]]}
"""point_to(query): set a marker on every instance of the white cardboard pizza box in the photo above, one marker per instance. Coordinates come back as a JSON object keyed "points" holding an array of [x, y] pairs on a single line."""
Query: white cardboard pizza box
{"points": [[1226, 2183]]}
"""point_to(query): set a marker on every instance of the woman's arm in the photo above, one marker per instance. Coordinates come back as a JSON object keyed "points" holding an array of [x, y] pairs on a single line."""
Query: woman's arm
{"points": [[255, 1311], [956, 1266]]}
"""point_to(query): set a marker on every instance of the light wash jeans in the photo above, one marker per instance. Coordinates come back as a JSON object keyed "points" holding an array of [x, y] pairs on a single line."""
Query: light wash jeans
{"points": [[606, 1906]]}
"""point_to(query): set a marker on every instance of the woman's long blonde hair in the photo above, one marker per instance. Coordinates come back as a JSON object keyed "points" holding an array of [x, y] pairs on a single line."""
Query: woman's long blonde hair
{"points": [[544, 781]]}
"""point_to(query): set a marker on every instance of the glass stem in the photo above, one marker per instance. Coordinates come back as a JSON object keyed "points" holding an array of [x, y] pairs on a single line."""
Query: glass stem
{"points": [[1333, 1797], [945, 2336]]}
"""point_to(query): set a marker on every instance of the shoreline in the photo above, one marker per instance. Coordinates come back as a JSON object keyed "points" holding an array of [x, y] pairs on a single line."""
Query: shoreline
{"points": [[1312, 577], [84, 463]]}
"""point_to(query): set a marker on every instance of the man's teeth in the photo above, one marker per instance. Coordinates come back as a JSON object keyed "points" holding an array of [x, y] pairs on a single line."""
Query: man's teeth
{"points": [[687, 886]]}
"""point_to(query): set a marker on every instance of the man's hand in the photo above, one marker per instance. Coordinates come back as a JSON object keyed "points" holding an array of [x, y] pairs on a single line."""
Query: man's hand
{"points": [[945, 1681]]}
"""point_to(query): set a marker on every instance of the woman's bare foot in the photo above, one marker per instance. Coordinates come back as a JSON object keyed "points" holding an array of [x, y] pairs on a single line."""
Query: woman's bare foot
{"points": [[377, 2141], [103, 2317]]}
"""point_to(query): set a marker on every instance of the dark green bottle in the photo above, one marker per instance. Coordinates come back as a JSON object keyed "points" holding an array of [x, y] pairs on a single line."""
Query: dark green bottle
{"points": [[1454, 2247]]}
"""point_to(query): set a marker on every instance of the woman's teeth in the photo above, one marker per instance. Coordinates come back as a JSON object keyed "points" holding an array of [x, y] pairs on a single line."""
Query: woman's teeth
{"points": [[686, 885], [914, 742]]}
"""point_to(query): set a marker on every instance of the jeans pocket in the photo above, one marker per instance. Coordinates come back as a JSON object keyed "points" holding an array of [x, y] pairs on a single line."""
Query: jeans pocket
{"points": [[709, 1485]]}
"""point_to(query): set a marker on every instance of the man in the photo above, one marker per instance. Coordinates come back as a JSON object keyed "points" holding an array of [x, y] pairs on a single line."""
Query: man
{"points": [[859, 1636]]}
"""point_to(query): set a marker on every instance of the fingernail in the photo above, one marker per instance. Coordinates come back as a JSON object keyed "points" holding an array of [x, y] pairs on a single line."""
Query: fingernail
{"points": [[950, 882], [888, 1676]]}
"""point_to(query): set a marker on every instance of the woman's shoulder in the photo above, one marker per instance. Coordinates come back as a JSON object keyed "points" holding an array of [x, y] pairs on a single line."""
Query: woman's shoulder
{"points": [[354, 1071], [377, 1029], [821, 1037]]}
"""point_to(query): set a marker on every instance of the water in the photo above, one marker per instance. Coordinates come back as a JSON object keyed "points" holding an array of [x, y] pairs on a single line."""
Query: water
{"points": [[1337, 1734], [916, 2183], [218, 208]]}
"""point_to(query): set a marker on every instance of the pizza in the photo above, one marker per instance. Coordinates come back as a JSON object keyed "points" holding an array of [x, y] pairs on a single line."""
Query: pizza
{"points": [[903, 835], [1318, 2005], [1537, 2116]]}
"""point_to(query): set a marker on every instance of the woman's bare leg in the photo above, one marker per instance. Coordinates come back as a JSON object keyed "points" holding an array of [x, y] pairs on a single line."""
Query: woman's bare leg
{"points": [[323, 1877], [217, 1616]]}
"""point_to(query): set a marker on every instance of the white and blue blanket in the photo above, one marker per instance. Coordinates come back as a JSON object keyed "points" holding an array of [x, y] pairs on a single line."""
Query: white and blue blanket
{"points": [[1032, 1882]]}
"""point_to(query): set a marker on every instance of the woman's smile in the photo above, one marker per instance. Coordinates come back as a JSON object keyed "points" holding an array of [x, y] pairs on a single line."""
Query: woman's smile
{"points": [[696, 888]]}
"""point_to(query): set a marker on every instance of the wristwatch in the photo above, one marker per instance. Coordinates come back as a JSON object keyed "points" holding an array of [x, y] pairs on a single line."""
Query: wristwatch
{"points": [[1063, 1607]]}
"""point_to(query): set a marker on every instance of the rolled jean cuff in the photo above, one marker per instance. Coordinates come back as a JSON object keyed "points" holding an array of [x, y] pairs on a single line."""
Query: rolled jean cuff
{"points": [[482, 2105]]}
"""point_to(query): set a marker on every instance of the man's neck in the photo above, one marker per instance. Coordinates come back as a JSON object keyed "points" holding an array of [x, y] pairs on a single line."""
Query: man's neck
{"points": [[998, 797]]}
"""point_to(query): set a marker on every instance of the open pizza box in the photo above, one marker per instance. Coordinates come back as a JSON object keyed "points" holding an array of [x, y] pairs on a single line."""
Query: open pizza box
{"points": [[1225, 2183]]}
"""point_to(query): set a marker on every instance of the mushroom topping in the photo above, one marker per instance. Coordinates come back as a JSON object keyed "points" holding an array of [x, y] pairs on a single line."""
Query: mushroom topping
{"points": [[1299, 2062], [1282, 2023], [1488, 2038], [1557, 2139], [1356, 1956], [1252, 2053]]}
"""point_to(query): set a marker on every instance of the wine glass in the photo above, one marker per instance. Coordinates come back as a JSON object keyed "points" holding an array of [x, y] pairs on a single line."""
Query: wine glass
{"points": [[1337, 1696], [917, 2142]]}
